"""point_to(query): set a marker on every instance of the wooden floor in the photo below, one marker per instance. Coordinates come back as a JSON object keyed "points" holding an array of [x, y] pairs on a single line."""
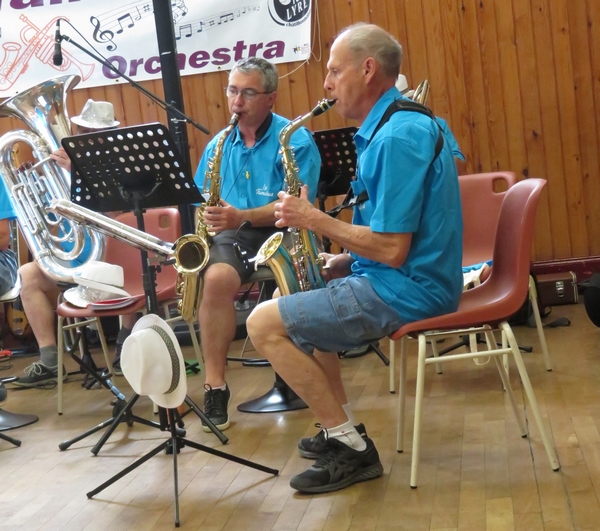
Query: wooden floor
{"points": [[476, 472]]}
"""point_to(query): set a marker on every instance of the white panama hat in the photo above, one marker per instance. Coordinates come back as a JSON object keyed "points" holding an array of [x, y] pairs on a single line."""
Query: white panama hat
{"points": [[402, 84], [96, 115], [152, 362], [97, 281]]}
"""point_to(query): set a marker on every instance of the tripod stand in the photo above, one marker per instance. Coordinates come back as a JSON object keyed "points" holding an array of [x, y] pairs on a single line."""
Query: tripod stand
{"points": [[172, 446], [104, 182]]}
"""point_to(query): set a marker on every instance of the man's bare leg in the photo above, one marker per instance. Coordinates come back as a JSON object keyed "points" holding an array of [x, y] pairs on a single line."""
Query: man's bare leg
{"points": [[217, 320]]}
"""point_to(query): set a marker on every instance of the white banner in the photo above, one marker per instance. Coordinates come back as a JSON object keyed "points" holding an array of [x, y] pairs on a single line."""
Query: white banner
{"points": [[210, 35]]}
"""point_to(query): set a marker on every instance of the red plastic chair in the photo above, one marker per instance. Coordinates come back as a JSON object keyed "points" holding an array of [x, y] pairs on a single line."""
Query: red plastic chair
{"points": [[161, 222], [482, 195], [481, 198], [482, 310]]}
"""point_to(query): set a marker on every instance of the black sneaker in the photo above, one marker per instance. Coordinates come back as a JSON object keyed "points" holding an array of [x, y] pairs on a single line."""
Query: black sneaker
{"points": [[338, 467], [116, 365], [313, 447], [37, 375], [3, 393], [216, 402]]}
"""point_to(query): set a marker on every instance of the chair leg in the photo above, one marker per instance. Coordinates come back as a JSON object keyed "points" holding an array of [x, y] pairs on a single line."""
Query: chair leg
{"points": [[550, 451], [60, 347], [507, 387], [103, 342], [538, 322], [401, 396], [393, 366], [436, 354], [418, 410]]}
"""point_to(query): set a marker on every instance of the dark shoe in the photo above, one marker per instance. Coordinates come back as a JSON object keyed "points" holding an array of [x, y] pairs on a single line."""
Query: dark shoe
{"points": [[216, 402], [3, 393], [37, 375], [313, 447], [338, 467], [116, 366]]}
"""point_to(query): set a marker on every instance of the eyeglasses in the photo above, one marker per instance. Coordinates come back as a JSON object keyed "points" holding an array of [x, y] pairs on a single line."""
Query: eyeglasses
{"points": [[247, 93]]}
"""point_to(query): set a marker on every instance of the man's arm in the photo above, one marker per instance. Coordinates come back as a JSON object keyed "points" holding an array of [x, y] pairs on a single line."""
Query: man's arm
{"points": [[388, 248]]}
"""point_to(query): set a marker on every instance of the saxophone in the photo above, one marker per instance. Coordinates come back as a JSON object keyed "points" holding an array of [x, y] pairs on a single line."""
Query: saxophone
{"points": [[190, 281], [299, 268]]}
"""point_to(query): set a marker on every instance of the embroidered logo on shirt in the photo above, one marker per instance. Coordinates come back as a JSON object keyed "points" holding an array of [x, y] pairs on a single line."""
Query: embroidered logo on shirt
{"points": [[264, 191]]}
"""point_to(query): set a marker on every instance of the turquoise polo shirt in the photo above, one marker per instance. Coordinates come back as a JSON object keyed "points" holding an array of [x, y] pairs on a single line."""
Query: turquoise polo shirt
{"points": [[252, 177], [407, 193], [6, 209]]}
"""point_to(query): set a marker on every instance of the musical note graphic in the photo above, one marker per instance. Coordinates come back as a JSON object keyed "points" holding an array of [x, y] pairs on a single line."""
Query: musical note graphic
{"points": [[213, 21], [113, 23], [120, 21], [102, 36]]}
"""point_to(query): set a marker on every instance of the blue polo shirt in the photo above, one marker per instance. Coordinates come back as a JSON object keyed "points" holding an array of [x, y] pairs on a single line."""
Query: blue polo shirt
{"points": [[407, 193], [6, 208], [252, 177]]}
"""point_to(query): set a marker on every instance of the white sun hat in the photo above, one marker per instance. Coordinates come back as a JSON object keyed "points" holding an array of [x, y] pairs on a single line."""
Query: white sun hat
{"points": [[152, 362], [96, 115], [402, 84], [97, 281]]}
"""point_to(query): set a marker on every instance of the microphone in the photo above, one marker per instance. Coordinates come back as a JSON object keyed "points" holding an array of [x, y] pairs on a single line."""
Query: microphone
{"points": [[58, 58]]}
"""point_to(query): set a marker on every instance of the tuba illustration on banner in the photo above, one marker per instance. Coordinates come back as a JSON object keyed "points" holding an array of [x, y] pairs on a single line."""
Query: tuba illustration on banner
{"points": [[34, 187], [298, 268]]}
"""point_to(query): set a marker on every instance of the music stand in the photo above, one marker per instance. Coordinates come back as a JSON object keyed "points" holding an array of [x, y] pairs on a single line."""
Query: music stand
{"points": [[123, 169], [338, 165]]}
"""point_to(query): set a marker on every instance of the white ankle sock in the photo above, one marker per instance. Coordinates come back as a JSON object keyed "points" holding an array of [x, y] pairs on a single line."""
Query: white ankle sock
{"points": [[348, 410], [347, 434], [220, 388]]}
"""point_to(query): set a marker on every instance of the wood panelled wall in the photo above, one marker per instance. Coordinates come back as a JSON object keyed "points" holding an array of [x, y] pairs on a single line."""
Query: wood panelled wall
{"points": [[517, 80]]}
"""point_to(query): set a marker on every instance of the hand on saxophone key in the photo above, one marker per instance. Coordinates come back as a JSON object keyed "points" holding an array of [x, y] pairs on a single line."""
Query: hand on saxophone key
{"points": [[223, 217], [292, 211]]}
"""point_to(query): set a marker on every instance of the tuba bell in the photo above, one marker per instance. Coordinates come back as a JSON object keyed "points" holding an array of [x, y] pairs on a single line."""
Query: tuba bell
{"points": [[34, 187]]}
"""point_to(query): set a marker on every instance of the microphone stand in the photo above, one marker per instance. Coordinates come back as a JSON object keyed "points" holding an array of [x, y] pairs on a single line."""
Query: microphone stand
{"points": [[167, 107]]}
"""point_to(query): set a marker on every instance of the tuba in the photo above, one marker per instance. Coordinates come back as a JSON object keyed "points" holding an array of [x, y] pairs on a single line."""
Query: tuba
{"points": [[189, 253], [190, 286], [299, 268], [34, 187], [421, 93]]}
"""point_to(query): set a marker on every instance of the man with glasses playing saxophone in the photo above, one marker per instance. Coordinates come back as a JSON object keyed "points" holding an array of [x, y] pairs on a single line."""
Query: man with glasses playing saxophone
{"points": [[404, 260], [252, 175]]}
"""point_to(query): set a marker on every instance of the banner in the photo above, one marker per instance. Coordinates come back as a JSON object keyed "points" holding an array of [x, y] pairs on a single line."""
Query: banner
{"points": [[210, 34]]}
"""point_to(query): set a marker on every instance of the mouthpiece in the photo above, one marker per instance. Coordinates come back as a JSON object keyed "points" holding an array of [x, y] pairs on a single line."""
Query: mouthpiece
{"points": [[322, 106]]}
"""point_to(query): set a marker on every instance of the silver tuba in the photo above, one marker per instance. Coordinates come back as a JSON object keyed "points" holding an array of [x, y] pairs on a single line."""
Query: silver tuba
{"points": [[34, 187]]}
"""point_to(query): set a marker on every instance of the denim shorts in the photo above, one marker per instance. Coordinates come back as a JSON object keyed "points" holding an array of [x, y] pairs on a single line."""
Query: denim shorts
{"points": [[345, 315], [8, 270]]}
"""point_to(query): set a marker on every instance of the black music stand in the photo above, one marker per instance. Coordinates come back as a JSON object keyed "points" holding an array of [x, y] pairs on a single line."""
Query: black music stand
{"points": [[139, 167], [338, 165], [123, 169]]}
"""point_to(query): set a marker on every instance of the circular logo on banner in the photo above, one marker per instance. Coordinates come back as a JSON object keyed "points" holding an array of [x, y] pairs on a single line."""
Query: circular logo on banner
{"points": [[289, 12]]}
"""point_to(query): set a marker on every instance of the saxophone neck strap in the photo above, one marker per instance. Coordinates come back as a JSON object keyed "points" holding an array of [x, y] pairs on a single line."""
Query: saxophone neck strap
{"points": [[397, 105]]}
